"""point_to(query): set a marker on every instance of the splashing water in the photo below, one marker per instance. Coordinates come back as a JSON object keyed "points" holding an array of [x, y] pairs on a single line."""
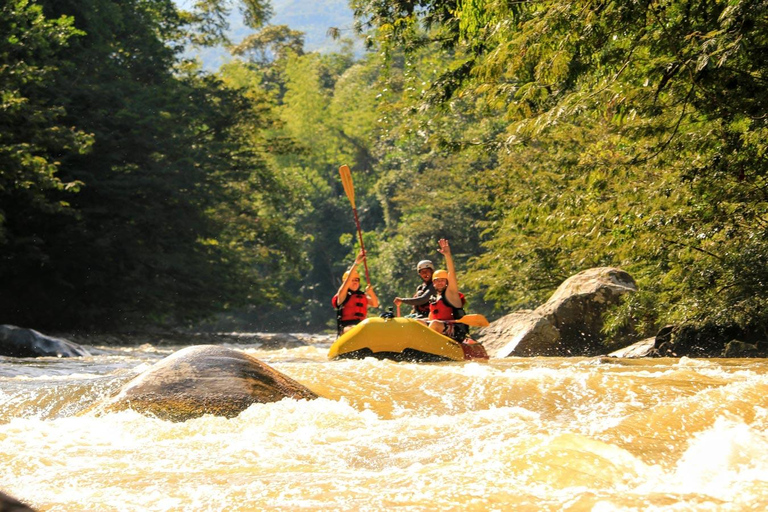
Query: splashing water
{"points": [[518, 434]]}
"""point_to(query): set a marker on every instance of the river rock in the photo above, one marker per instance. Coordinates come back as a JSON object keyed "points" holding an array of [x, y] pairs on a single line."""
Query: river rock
{"points": [[642, 348], [205, 379], [9, 504], [711, 340], [736, 348], [568, 324], [21, 342]]}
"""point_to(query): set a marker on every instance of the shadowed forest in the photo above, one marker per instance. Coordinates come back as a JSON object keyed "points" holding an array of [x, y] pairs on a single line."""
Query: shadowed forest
{"points": [[542, 138]]}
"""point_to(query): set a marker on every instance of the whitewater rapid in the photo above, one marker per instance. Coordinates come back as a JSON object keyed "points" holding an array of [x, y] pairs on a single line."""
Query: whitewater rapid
{"points": [[515, 434]]}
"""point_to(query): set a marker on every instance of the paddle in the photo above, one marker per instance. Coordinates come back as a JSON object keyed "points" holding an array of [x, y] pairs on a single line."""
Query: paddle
{"points": [[473, 320], [346, 181]]}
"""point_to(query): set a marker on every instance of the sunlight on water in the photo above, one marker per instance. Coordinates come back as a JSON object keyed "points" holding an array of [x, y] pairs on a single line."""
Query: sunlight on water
{"points": [[517, 434], [723, 458]]}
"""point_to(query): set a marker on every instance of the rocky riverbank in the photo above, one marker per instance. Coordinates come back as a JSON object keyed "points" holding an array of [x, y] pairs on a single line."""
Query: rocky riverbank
{"points": [[22, 342], [165, 338], [571, 323]]}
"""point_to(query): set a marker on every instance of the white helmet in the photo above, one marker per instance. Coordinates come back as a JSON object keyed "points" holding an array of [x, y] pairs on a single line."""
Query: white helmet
{"points": [[425, 264]]}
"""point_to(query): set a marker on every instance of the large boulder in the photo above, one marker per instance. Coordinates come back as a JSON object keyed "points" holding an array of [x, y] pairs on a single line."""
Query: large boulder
{"points": [[205, 379], [568, 324], [21, 342], [11, 504]]}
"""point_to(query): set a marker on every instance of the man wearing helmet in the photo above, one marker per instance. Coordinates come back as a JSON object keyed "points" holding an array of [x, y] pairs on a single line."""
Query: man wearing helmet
{"points": [[426, 290], [353, 307]]}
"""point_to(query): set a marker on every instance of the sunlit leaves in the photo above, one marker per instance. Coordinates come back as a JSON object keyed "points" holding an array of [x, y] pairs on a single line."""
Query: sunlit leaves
{"points": [[33, 134], [272, 43], [633, 135], [137, 192]]}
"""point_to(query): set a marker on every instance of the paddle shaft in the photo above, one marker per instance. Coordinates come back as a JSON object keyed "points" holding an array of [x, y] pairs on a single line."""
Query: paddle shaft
{"points": [[362, 246], [349, 189]]}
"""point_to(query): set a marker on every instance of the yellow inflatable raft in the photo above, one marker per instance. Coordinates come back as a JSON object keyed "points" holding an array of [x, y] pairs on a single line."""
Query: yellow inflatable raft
{"points": [[401, 339]]}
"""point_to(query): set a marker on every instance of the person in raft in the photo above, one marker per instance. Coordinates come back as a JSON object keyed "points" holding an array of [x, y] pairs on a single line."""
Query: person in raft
{"points": [[353, 307], [425, 291], [448, 303]]}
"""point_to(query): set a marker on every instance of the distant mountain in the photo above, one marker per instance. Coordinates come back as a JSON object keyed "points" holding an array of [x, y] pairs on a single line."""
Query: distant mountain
{"points": [[313, 17]]}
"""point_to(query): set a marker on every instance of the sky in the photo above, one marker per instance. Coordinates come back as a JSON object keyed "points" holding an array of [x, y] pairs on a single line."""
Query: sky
{"points": [[313, 17]]}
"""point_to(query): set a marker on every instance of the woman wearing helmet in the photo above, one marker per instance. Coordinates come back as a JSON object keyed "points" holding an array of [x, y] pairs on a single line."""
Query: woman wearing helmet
{"points": [[449, 302], [426, 290], [353, 308]]}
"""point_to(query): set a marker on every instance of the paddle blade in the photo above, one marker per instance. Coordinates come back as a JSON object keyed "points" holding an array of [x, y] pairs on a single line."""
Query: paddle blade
{"points": [[474, 320], [346, 181]]}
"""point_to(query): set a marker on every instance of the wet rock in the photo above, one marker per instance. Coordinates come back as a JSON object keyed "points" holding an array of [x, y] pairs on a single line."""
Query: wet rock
{"points": [[9, 504], [522, 333], [690, 340], [658, 346], [643, 348], [205, 379], [568, 324], [21, 342], [710, 340], [736, 348]]}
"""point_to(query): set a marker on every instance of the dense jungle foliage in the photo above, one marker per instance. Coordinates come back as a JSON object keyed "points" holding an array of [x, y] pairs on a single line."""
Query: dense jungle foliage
{"points": [[542, 138]]}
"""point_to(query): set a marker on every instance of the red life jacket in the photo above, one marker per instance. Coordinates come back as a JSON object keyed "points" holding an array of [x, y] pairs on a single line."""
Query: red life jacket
{"points": [[441, 309], [354, 307]]}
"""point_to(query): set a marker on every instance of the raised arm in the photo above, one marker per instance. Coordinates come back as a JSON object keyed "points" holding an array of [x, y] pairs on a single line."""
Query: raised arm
{"points": [[452, 292], [344, 288]]}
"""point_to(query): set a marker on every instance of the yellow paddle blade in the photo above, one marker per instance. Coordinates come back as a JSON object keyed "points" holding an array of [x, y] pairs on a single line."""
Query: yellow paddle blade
{"points": [[346, 181], [474, 320]]}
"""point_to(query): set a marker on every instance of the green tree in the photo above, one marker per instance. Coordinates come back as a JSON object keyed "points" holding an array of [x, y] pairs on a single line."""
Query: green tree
{"points": [[268, 51], [322, 113], [634, 136], [33, 136], [179, 215], [32, 132], [314, 119]]}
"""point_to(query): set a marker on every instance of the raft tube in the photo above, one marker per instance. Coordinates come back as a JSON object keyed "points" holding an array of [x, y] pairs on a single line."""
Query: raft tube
{"points": [[401, 339]]}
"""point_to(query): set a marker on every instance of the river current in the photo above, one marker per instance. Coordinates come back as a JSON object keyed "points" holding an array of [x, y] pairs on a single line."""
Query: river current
{"points": [[522, 434]]}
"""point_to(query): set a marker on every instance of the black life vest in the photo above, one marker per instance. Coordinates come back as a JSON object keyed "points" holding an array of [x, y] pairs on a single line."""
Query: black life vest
{"points": [[422, 311]]}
